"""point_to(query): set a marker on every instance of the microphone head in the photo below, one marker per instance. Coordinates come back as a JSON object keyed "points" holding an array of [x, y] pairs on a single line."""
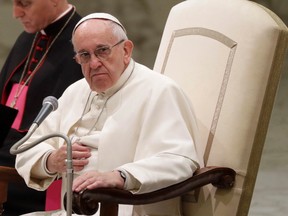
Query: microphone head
{"points": [[51, 100]]}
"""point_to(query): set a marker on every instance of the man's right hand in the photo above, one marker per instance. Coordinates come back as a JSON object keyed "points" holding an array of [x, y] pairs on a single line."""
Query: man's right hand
{"points": [[56, 161]]}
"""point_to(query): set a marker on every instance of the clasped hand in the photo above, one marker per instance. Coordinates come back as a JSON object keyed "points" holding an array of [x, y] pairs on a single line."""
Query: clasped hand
{"points": [[56, 163]]}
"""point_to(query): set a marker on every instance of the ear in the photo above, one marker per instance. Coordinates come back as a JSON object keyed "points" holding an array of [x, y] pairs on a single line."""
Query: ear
{"points": [[128, 49]]}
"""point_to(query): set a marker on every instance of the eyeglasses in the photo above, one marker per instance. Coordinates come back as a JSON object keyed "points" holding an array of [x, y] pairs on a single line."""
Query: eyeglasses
{"points": [[102, 53]]}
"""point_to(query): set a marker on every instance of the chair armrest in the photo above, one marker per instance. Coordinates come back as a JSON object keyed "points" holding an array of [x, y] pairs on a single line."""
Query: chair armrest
{"points": [[9, 174], [86, 202]]}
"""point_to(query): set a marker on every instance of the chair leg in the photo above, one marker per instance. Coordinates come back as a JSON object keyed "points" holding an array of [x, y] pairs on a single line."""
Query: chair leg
{"points": [[3, 195], [1, 209], [108, 209]]}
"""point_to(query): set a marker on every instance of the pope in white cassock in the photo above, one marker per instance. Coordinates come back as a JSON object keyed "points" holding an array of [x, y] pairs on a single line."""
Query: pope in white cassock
{"points": [[122, 117]]}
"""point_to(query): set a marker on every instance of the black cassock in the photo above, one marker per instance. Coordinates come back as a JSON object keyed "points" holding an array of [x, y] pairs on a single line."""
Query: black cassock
{"points": [[55, 73]]}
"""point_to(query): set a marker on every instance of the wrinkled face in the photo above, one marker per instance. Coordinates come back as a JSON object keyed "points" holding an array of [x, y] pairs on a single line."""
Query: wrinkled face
{"points": [[34, 14], [103, 55]]}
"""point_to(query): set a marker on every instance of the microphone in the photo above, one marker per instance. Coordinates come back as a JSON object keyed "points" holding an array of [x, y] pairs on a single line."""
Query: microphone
{"points": [[49, 104]]}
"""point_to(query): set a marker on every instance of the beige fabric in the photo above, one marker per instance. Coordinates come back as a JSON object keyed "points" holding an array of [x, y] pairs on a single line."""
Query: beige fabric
{"points": [[227, 55]]}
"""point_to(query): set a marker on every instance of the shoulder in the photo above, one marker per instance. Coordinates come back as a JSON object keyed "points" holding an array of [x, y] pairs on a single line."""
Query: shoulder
{"points": [[76, 88], [79, 85]]}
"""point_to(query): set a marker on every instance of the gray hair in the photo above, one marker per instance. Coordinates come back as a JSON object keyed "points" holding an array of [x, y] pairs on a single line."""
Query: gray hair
{"points": [[118, 30]]}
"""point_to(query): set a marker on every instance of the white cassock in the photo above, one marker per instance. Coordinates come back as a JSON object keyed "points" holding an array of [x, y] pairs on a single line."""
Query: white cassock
{"points": [[144, 125]]}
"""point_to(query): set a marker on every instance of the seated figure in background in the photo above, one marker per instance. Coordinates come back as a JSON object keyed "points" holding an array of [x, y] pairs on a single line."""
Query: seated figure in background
{"points": [[39, 64]]}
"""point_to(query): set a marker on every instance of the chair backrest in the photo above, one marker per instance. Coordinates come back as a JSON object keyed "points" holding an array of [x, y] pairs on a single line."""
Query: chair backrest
{"points": [[227, 56]]}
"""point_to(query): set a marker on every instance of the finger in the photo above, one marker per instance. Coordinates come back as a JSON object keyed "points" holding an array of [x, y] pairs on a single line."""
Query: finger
{"points": [[79, 184], [80, 147], [80, 162], [81, 155]]}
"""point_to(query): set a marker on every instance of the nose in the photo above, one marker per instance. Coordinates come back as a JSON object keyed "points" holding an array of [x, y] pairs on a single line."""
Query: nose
{"points": [[95, 61], [17, 11]]}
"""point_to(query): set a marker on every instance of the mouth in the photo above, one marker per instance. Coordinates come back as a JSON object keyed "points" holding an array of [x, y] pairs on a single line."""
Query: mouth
{"points": [[25, 23], [98, 75], [22, 21]]}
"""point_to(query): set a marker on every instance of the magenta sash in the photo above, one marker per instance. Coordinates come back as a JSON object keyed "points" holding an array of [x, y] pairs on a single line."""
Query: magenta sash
{"points": [[53, 196], [19, 105]]}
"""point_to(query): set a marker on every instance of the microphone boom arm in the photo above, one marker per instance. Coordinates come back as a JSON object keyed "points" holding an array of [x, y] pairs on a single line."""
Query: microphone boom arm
{"points": [[69, 163]]}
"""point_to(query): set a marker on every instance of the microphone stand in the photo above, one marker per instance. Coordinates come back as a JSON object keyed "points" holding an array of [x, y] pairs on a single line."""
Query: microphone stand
{"points": [[14, 150]]}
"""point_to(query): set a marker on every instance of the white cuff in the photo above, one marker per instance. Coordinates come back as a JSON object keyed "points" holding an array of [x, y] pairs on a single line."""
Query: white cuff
{"points": [[44, 164]]}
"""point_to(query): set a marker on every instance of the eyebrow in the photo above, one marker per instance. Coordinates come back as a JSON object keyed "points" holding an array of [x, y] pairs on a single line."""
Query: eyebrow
{"points": [[97, 47]]}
